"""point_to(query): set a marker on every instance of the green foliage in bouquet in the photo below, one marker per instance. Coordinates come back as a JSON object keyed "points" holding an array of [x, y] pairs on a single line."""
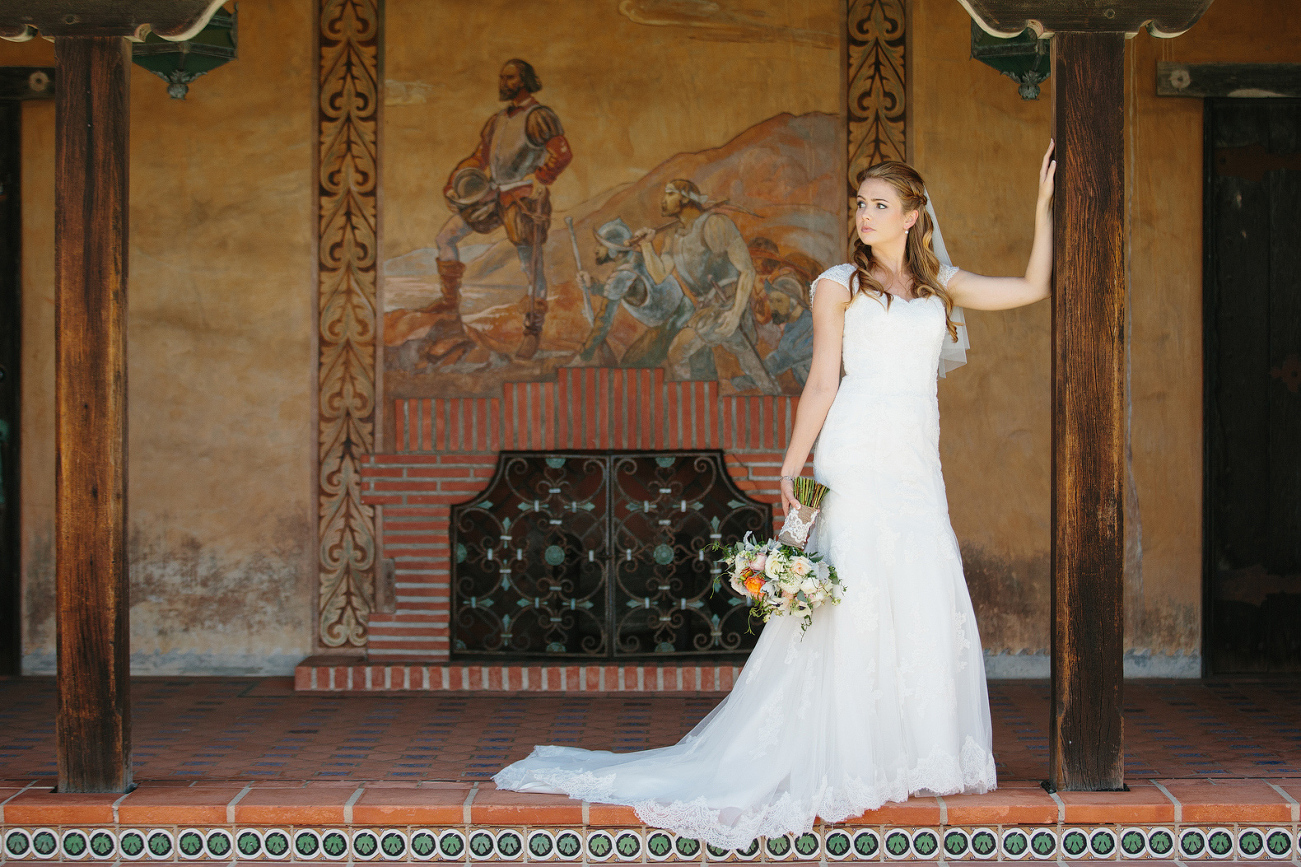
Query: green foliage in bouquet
{"points": [[809, 492]]}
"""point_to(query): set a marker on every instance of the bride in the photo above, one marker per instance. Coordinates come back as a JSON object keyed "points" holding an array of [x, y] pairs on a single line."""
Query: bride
{"points": [[884, 695]]}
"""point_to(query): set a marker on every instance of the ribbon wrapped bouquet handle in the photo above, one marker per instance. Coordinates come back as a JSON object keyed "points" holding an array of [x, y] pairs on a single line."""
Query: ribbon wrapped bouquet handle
{"points": [[799, 522]]}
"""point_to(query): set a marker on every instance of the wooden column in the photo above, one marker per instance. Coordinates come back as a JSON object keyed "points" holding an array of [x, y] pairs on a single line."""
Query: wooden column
{"points": [[1085, 733], [90, 276]]}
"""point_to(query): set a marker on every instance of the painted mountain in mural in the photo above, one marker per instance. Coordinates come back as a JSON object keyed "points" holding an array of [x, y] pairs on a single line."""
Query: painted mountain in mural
{"points": [[781, 184]]}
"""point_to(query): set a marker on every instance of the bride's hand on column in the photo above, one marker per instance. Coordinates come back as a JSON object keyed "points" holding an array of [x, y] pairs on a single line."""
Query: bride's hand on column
{"points": [[1047, 175], [789, 503]]}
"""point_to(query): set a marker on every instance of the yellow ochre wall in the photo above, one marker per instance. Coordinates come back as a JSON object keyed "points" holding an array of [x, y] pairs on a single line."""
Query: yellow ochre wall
{"points": [[220, 381], [222, 312], [978, 144]]}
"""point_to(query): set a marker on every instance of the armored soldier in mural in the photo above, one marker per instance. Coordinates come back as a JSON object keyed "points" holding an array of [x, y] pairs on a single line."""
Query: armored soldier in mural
{"points": [[522, 150], [706, 251], [660, 305]]}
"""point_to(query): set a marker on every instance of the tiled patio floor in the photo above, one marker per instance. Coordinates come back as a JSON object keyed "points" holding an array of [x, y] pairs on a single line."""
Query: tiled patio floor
{"points": [[260, 729], [246, 767]]}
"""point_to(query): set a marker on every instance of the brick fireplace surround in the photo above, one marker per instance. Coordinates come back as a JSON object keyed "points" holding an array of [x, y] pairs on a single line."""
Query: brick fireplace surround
{"points": [[446, 450]]}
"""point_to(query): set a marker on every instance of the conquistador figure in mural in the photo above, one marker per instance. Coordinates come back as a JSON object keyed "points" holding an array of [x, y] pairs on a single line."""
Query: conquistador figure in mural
{"points": [[713, 264], [522, 150]]}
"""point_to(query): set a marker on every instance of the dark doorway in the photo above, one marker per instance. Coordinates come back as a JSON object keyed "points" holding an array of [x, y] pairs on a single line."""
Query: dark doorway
{"points": [[11, 329], [1252, 320]]}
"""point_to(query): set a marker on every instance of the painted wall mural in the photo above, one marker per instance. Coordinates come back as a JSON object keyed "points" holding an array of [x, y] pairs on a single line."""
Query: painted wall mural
{"points": [[567, 224]]}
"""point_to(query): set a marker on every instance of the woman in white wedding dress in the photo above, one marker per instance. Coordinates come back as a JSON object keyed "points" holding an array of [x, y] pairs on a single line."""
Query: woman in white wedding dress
{"points": [[884, 695]]}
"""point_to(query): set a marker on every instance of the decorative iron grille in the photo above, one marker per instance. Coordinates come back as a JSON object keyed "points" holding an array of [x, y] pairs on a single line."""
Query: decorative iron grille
{"points": [[601, 555]]}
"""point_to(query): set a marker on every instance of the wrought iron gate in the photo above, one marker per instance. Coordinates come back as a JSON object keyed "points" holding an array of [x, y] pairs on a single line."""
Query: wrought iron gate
{"points": [[600, 555]]}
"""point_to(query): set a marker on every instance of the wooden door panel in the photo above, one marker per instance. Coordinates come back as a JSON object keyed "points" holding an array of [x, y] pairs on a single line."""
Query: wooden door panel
{"points": [[1253, 385]]}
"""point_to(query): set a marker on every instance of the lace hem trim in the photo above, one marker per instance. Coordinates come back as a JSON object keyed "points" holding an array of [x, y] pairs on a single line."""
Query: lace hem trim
{"points": [[730, 828]]}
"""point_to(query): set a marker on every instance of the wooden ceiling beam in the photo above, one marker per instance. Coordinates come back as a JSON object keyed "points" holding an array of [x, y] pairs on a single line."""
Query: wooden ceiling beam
{"points": [[176, 20], [1164, 18]]}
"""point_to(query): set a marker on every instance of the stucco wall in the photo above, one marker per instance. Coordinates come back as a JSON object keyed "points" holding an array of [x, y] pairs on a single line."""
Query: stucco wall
{"points": [[978, 144], [220, 360]]}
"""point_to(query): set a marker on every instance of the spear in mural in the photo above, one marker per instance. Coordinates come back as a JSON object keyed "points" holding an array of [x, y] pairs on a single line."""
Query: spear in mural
{"points": [[578, 263]]}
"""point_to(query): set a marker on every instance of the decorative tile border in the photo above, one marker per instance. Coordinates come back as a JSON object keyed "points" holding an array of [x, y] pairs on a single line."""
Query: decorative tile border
{"points": [[470, 844]]}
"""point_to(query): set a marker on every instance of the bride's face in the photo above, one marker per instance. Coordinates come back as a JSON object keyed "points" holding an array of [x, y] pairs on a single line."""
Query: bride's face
{"points": [[880, 217]]}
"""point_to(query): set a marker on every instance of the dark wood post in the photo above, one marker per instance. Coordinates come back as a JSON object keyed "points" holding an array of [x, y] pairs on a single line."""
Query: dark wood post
{"points": [[1086, 747], [93, 65], [90, 279]]}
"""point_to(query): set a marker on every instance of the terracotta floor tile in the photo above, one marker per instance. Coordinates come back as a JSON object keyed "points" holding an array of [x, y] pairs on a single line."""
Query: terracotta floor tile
{"points": [[1293, 788], [257, 730], [914, 811], [1229, 801], [402, 806], [176, 805], [43, 807], [1017, 805], [612, 815], [494, 807], [298, 806], [1143, 803]]}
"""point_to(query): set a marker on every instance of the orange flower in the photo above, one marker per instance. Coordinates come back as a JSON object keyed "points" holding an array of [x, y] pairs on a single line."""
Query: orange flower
{"points": [[754, 584]]}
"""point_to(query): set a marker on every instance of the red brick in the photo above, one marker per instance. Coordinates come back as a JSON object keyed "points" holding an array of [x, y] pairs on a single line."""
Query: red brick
{"points": [[445, 473], [403, 486], [464, 459], [383, 499], [438, 503], [382, 472], [470, 487]]}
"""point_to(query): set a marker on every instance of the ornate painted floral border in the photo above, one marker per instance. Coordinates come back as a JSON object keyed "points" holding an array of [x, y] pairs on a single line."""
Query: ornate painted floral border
{"points": [[349, 35], [876, 97]]}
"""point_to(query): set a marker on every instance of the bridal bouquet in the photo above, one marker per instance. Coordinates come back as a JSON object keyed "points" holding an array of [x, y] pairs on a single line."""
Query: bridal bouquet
{"points": [[779, 579]]}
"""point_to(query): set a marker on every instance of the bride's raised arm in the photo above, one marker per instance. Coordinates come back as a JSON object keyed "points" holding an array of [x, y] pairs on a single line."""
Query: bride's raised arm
{"points": [[977, 292], [829, 302]]}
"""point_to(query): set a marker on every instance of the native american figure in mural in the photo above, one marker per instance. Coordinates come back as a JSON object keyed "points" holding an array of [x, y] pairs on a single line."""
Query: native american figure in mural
{"points": [[522, 150], [712, 262], [660, 305]]}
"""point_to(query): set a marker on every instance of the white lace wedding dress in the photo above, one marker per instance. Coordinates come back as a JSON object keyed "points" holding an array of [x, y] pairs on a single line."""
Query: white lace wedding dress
{"points": [[884, 696]]}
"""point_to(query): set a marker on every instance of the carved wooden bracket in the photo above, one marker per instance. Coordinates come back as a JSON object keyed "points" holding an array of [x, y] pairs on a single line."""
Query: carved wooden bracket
{"points": [[176, 20], [1164, 18]]}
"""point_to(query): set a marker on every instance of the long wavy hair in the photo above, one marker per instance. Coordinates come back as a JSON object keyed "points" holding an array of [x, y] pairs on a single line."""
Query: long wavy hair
{"points": [[919, 252]]}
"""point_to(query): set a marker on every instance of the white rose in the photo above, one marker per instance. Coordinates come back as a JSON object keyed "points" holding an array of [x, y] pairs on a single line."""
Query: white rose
{"points": [[802, 566], [775, 565]]}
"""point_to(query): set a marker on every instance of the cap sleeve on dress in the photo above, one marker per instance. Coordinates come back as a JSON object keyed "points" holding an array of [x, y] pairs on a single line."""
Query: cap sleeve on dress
{"points": [[842, 274], [945, 274]]}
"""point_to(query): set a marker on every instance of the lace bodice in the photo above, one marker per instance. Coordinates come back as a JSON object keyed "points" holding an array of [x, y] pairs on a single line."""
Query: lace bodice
{"points": [[890, 349], [844, 275]]}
